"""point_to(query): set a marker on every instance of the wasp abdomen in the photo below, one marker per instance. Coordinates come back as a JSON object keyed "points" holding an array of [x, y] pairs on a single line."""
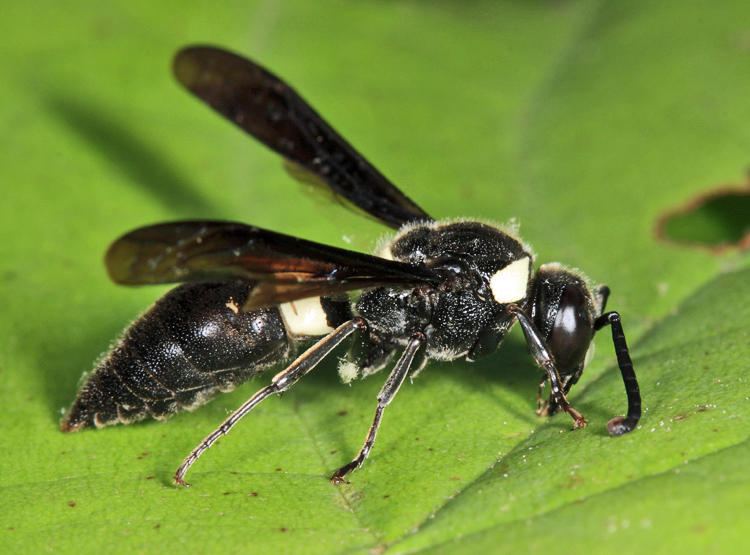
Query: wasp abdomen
{"points": [[192, 344]]}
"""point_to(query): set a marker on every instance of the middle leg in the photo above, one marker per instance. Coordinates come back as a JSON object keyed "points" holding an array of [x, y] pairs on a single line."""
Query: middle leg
{"points": [[386, 395]]}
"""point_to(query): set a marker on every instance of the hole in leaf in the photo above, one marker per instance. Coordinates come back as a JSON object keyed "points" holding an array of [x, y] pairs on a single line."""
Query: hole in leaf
{"points": [[717, 220]]}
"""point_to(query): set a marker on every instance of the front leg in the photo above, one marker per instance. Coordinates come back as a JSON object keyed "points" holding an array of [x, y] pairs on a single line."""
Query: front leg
{"points": [[549, 407], [543, 358]]}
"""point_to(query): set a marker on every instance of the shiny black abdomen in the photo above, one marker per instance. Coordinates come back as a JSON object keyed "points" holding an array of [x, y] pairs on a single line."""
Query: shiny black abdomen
{"points": [[193, 343]]}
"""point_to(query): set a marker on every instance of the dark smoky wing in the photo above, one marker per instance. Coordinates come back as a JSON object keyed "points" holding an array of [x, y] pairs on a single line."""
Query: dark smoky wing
{"points": [[272, 112], [284, 268]]}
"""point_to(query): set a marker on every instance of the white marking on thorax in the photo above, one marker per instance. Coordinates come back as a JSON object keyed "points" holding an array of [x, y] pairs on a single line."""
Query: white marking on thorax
{"points": [[305, 317], [509, 284]]}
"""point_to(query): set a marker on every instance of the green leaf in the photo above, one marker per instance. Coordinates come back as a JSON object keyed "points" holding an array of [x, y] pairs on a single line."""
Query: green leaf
{"points": [[586, 120]]}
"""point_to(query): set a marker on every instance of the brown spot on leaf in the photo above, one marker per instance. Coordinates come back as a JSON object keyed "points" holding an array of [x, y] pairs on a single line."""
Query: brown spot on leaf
{"points": [[574, 482]]}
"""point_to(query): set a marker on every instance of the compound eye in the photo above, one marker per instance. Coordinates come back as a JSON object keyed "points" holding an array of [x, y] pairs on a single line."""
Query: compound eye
{"points": [[573, 329]]}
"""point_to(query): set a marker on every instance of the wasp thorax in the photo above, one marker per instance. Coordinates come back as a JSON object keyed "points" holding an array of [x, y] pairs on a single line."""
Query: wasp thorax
{"points": [[481, 268]]}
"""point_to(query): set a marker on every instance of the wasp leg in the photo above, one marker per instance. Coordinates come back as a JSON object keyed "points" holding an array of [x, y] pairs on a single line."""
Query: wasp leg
{"points": [[550, 407], [622, 425], [544, 359], [280, 382], [386, 395]]}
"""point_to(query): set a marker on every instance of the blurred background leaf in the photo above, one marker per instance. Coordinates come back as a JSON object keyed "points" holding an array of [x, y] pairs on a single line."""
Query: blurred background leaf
{"points": [[585, 120]]}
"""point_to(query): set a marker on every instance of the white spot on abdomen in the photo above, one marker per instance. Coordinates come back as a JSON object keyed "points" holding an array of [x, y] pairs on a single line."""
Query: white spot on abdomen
{"points": [[305, 317], [509, 284]]}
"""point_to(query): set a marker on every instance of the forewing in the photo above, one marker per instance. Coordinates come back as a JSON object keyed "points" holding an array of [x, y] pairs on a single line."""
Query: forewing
{"points": [[272, 112], [284, 268]]}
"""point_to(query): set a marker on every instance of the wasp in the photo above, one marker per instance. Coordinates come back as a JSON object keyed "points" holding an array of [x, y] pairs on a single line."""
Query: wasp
{"points": [[249, 297]]}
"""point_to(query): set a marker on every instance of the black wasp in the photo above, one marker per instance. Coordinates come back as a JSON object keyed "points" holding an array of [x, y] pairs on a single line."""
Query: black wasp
{"points": [[438, 290]]}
